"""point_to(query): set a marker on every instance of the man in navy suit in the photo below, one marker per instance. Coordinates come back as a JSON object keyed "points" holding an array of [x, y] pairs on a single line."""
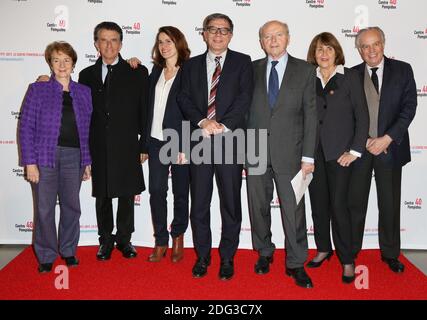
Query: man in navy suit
{"points": [[392, 100], [215, 95]]}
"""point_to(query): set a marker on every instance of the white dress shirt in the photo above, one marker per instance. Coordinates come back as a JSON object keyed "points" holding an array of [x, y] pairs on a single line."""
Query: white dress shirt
{"points": [[380, 72], [211, 66], [280, 68], [105, 69], [163, 87]]}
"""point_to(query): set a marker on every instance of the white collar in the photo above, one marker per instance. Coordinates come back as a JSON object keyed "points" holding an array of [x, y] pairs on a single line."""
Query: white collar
{"points": [[212, 55], [338, 69], [116, 61]]}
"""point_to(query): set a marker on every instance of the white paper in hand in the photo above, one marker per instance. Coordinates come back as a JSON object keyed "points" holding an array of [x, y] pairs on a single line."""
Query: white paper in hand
{"points": [[300, 185]]}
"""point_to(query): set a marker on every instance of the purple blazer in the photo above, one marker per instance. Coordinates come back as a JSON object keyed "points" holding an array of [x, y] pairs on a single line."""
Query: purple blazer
{"points": [[41, 120]]}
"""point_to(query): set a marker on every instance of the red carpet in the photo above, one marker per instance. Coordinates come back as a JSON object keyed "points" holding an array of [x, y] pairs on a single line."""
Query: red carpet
{"points": [[139, 279]]}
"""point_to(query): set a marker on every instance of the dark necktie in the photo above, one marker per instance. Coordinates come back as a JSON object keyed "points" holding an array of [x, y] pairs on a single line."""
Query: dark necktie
{"points": [[374, 78], [273, 85], [214, 87], [108, 77]]}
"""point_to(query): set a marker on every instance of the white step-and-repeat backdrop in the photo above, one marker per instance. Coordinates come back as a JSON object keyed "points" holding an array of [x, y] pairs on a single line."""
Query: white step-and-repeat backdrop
{"points": [[27, 26]]}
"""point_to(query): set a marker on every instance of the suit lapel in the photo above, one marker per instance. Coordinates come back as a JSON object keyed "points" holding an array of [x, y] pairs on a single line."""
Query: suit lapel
{"points": [[154, 77], [385, 86], [97, 73], [261, 75], [203, 81], [173, 91], [339, 79]]}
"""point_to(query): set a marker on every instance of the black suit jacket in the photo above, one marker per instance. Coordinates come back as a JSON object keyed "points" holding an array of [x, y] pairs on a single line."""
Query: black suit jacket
{"points": [[117, 121], [398, 103], [233, 96], [173, 115], [343, 115]]}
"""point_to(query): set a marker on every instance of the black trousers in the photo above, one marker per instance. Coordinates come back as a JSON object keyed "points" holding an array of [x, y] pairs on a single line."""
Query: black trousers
{"points": [[158, 187], [229, 182], [125, 220], [388, 182], [329, 203]]}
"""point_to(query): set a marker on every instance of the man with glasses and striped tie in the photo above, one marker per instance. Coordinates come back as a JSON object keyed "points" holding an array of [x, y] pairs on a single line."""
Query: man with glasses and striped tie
{"points": [[215, 97]]}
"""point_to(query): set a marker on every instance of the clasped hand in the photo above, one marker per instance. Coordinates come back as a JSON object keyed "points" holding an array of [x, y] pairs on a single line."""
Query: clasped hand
{"points": [[211, 127]]}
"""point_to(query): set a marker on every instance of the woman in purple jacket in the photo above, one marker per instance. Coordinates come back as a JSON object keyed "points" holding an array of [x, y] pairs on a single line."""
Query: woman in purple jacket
{"points": [[54, 142]]}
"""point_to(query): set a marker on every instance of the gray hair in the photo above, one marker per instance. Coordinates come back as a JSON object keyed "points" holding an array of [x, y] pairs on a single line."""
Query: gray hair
{"points": [[215, 16], [283, 24], [362, 31]]}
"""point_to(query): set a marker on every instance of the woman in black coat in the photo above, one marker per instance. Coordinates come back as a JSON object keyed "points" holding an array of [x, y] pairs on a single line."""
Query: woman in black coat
{"points": [[170, 51]]}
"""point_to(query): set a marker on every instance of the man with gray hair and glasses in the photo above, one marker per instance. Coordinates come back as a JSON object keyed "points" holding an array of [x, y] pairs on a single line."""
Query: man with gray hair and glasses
{"points": [[392, 100]]}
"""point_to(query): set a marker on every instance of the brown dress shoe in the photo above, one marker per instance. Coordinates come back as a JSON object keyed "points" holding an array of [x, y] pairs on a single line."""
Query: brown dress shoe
{"points": [[177, 248], [158, 253]]}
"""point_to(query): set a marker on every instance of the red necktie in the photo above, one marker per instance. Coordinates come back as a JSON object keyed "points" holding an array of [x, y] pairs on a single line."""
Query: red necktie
{"points": [[214, 87]]}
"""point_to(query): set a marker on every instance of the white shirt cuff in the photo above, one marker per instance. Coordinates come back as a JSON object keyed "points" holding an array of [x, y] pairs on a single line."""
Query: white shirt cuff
{"points": [[201, 122], [225, 128], [355, 153], [307, 159]]}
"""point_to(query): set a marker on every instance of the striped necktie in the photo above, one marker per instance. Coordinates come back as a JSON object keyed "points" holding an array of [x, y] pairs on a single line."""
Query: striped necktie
{"points": [[214, 87]]}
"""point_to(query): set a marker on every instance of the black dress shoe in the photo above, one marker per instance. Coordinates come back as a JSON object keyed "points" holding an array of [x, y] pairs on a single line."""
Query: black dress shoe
{"points": [[200, 268], [348, 279], [71, 261], [226, 270], [300, 276], [262, 266], [104, 252], [316, 264], [128, 250], [45, 267], [394, 264]]}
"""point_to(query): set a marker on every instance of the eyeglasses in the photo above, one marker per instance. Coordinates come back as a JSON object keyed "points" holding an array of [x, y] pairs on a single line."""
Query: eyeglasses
{"points": [[215, 30]]}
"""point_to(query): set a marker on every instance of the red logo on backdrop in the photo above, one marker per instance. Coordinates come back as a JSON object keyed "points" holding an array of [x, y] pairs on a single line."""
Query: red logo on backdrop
{"points": [[414, 205], [27, 227], [390, 4], [169, 2], [422, 92], [351, 33], [275, 203], [421, 34], [137, 200], [62, 23], [315, 4], [133, 29], [242, 3]]}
